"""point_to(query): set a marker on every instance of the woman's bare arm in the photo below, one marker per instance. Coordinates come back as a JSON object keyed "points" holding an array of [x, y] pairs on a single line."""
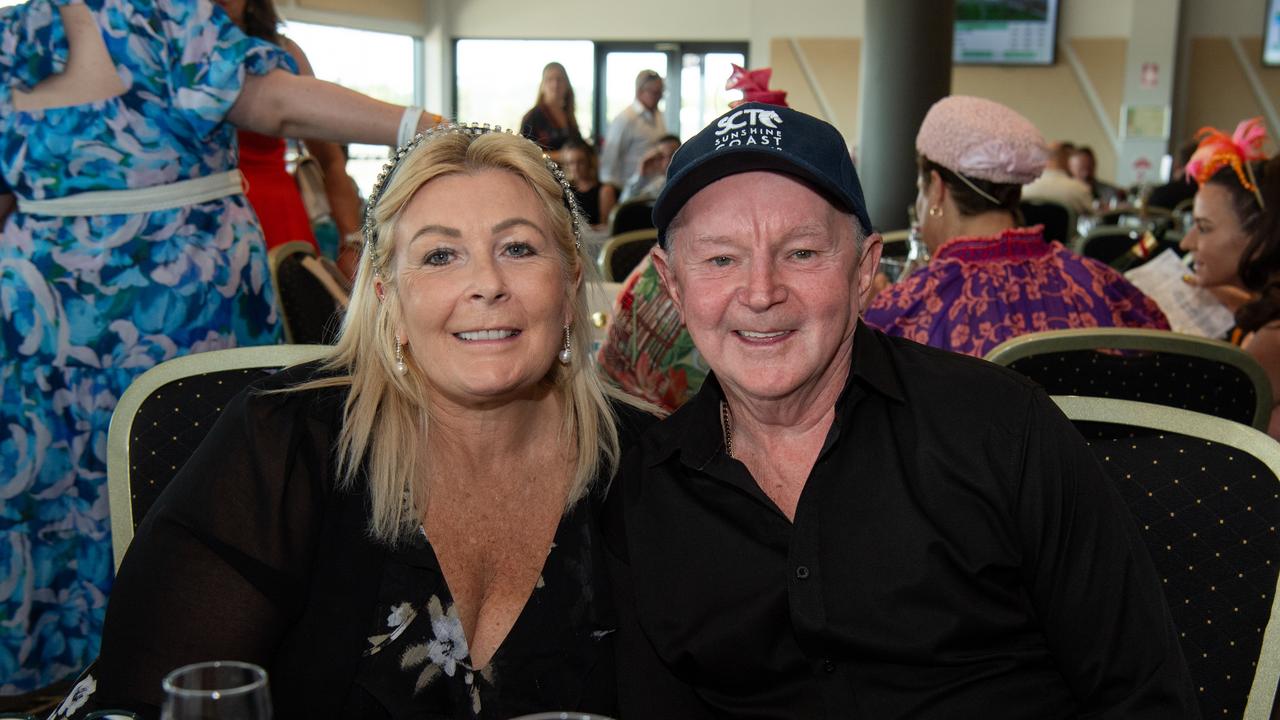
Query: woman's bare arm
{"points": [[1264, 346], [287, 105]]}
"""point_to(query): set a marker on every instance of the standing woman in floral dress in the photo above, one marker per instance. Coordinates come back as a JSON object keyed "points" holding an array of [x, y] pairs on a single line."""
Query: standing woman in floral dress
{"points": [[131, 244]]}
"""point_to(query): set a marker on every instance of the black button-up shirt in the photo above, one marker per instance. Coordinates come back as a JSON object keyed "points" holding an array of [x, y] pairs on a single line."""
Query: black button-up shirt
{"points": [[957, 552]]}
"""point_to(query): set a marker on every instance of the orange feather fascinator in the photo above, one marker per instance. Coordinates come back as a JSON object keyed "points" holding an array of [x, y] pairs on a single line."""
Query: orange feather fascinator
{"points": [[1218, 150]]}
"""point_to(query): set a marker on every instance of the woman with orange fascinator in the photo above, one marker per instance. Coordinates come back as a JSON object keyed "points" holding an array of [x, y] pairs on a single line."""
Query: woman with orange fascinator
{"points": [[1236, 239]]}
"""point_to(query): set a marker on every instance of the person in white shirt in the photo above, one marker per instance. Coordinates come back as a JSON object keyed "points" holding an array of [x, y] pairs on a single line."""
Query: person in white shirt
{"points": [[636, 129], [651, 175], [1057, 185]]}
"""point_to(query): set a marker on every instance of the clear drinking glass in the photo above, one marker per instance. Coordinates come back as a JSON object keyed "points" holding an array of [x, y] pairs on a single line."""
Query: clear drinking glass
{"points": [[219, 690]]}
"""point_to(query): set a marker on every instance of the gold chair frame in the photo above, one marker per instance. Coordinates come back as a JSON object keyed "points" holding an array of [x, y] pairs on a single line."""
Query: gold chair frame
{"points": [[275, 257], [606, 251], [1262, 692], [626, 204], [1053, 341], [119, 432]]}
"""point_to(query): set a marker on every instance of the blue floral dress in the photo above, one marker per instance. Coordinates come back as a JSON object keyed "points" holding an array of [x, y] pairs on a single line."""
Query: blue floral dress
{"points": [[88, 303]]}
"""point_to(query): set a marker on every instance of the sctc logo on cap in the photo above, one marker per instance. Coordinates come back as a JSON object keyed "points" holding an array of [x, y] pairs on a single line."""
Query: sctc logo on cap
{"points": [[751, 126]]}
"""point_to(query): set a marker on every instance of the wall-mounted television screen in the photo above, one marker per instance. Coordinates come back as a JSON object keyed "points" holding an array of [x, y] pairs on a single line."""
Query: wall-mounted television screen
{"points": [[1006, 32], [1271, 38]]}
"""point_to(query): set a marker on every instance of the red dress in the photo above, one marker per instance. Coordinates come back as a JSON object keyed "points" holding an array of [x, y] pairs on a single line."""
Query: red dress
{"points": [[272, 190]]}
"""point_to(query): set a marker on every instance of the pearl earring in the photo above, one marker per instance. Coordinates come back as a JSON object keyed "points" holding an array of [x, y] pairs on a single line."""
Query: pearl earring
{"points": [[566, 353], [400, 366]]}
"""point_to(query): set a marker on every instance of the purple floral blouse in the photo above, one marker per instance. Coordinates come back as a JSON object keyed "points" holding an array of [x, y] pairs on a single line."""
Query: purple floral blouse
{"points": [[977, 292]]}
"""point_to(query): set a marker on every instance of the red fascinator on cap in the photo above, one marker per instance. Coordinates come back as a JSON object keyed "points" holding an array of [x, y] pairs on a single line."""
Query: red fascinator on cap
{"points": [[1218, 150], [754, 85]]}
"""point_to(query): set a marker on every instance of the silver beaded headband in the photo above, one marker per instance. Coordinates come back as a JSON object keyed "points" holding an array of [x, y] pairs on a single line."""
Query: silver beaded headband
{"points": [[474, 130]]}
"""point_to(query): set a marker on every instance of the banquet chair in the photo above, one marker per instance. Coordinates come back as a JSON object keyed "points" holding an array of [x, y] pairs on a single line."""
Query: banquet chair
{"points": [[900, 254], [311, 295], [636, 214], [164, 415], [1146, 218], [1108, 242], [1182, 213], [1205, 495], [1154, 366], [895, 244], [1059, 222], [622, 253]]}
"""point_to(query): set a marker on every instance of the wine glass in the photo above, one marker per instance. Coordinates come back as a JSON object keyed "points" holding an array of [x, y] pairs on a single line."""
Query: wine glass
{"points": [[219, 690]]}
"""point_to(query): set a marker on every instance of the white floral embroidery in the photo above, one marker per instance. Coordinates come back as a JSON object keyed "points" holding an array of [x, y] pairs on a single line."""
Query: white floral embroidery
{"points": [[399, 614], [78, 696], [448, 645], [446, 650], [400, 617]]}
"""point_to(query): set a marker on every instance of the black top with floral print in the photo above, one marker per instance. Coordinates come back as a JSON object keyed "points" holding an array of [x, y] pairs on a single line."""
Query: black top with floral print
{"points": [[253, 553]]}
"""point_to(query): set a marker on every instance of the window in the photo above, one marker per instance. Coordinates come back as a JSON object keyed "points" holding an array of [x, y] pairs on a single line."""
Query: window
{"points": [[497, 81], [378, 64], [702, 94], [695, 74], [620, 70]]}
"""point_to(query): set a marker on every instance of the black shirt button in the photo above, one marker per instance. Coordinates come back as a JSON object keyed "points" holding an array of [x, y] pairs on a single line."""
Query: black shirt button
{"points": [[828, 666], [802, 572]]}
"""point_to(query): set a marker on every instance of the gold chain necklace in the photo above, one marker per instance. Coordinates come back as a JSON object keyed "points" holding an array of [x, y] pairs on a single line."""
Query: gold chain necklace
{"points": [[726, 424]]}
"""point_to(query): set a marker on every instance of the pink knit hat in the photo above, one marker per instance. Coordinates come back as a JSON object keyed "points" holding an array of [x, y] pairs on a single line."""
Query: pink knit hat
{"points": [[982, 139]]}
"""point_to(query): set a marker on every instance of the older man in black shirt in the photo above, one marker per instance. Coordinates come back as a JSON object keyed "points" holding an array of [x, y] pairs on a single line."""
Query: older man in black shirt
{"points": [[845, 525]]}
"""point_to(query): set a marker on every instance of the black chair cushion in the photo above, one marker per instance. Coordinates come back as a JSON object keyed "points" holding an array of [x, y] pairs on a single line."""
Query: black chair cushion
{"points": [[1208, 513], [626, 257], [171, 423], [311, 311], [632, 216], [1055, 218], [1169, 379]]}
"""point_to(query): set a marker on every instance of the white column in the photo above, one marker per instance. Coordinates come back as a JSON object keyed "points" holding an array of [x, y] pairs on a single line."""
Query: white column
{"points": [[1149, 79], [435, 63]]}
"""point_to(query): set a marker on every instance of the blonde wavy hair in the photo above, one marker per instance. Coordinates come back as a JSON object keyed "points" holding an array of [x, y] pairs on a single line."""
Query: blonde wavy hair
{"points": [[385, 418]]}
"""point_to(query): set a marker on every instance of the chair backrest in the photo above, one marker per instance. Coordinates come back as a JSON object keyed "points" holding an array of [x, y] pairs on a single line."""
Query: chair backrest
{"points": [[895, 243], [1059, 222], [310, 300], [622, 253], [1154, 366], [631, 215], [1182, 213], [1205, 494], [1108, 242], [164, 415]]}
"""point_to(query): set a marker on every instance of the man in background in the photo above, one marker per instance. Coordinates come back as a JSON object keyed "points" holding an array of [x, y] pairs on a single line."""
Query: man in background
{"points": [[1057, 186], [636, 129], [1084, 166], [651, 176]]}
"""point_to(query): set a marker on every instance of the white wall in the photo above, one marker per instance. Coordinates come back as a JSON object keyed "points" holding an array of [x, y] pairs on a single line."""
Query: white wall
{"points": [[1224, 17], [756, 21], [1094, 18]]}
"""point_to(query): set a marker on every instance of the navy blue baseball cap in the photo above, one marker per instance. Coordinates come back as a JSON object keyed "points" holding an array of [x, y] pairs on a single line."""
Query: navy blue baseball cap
{"points": [[756, 136]]}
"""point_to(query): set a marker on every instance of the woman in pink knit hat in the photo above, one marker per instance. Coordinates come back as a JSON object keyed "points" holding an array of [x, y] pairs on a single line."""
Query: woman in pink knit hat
{"points": [[989, 279]]}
